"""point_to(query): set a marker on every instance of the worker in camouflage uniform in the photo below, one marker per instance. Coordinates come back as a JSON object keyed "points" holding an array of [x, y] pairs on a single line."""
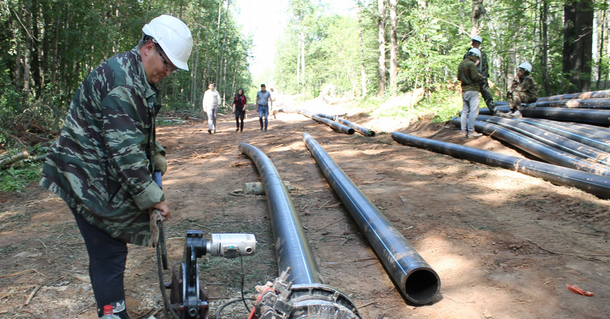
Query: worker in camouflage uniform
{"points": [[103, 162], [483, 69], [469, 76], [523, 89]]}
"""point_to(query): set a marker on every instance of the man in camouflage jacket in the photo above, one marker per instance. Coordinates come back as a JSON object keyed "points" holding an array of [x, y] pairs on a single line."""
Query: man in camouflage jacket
{"points": [[483, 69], [102, 163], [523, 89]]}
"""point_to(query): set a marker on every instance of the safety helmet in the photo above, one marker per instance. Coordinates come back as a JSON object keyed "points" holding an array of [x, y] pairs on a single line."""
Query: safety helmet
{"points": [[477, 38], [526, 66], [173, 36], [476, 52]]}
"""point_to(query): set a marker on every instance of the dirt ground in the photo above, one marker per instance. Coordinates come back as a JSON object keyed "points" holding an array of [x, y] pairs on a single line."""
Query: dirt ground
{"points": [[504, 244]]}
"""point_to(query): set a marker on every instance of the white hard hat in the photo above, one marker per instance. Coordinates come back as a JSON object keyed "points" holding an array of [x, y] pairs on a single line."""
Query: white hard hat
{"points": [[173, 36], [477, 38], [476, 52], [526, 66]]}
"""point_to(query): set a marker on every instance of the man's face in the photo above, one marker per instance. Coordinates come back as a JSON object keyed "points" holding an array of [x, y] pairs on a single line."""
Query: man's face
{"points": [[521, 72], [211, 86], [160, 66], [476, 44], [263, 88]]}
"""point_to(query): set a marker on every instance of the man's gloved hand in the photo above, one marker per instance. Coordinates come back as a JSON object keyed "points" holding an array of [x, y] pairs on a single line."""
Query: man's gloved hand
{"points": [[160, 163]]}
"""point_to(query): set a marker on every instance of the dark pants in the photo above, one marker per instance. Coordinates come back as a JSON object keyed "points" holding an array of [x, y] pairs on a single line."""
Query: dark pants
{"points": [[239, 117], [516, 98], [107, 257], [487, 97]]}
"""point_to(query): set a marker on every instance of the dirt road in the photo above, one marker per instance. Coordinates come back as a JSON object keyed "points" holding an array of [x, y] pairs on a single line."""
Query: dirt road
{"points": [[505, 245]]}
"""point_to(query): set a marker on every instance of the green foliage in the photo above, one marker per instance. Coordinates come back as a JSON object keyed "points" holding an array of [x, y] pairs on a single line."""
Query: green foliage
{"points": [[15, 180]]}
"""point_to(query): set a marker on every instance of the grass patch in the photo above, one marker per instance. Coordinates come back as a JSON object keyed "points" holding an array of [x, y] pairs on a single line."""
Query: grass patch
{"points": [[16, 180]]}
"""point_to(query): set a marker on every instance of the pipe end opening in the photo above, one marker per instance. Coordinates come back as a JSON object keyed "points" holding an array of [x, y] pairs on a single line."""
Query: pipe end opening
{"points": [[422, 286]]}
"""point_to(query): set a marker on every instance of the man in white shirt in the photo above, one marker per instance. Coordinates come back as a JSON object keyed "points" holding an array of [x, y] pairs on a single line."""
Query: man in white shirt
{"points": [[211, 101]]}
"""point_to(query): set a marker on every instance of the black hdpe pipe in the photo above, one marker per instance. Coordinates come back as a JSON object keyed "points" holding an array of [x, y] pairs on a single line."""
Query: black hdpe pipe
{"points": [[591, 183], [538, 149], [310, 298], [605, 94], [360, 129], [592, 131], [589, 116], [575, 103], [550, 138], [340, 128], [415, 279], [305, 113], [291, 246]]}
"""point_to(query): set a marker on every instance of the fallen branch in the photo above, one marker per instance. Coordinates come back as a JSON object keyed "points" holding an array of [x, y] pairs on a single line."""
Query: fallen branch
{"points": [[21, 272], [12, 159], [27, 302], [319, 229]]}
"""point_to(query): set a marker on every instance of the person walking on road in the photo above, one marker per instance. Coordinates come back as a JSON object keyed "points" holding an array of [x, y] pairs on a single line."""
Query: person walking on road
{"points": [[211, 101], [263, 102], [103, 162], [239, 109], [469, 76], [523, 89], [483, 69]]}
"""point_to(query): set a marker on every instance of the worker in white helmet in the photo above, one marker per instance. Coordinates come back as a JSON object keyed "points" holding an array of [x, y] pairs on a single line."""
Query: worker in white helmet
{"points": [[470, 78], [523, 89], [103, 163], [483, 68]]}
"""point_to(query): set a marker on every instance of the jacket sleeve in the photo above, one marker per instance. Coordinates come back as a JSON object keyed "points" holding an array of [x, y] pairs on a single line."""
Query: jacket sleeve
{"points": [[474, 73], [484, 65], [125, 137]]}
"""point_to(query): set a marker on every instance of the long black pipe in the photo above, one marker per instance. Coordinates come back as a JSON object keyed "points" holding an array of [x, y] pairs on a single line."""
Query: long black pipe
{"points": [[360, 129], [334, 125], [589, 116], [538, 149], [415, 279], [305, 113], [575, 103], [591, 183], [605, 94], [291, 246], [592, 131], [592, 136], [550, 138]]}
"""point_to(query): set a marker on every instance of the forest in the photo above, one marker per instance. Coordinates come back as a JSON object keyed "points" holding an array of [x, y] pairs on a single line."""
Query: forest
{"points": [[380, 49]]}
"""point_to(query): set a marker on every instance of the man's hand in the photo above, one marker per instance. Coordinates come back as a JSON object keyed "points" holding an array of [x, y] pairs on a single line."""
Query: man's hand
{"points": [[163, 207]]}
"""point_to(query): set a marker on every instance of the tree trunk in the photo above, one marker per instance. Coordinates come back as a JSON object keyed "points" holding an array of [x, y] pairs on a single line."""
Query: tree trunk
{"points": [[577, 45], [381, 20], [217, 78], [545, 48], [478, 12], [600, 69], [362, 62], [393, 48], [27, 55], [298, 82], [303, 62], [222, 49]]}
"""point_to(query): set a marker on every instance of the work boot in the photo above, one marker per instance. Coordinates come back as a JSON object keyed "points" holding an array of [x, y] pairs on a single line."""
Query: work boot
{"points": [[210, 131], [516, 114], [474, 134]]}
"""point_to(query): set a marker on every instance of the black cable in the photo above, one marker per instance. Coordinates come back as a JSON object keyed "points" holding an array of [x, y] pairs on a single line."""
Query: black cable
{"points": [[228, 303], [161, 283], [242, 283]]}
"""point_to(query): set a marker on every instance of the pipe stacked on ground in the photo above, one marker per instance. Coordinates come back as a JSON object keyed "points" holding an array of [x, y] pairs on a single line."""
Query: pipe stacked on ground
{"points": [[360, 129], [589, 116], [605, 94], [550, 138], [591, 183], [575, 103], [538, 149], [310, 298], [415, 279]]}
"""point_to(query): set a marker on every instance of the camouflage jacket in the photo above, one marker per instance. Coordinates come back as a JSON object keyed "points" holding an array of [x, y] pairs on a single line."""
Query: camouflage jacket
{"points": [[482, 67], [101, 164], [469, 75], [527, 85]]}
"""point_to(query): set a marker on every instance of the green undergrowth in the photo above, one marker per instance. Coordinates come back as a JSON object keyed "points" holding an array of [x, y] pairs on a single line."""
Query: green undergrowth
{"points": [[16, 180]]}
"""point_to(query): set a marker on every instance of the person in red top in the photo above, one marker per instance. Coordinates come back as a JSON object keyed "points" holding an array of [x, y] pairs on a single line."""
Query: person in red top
{"points": [[239, 109]]}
